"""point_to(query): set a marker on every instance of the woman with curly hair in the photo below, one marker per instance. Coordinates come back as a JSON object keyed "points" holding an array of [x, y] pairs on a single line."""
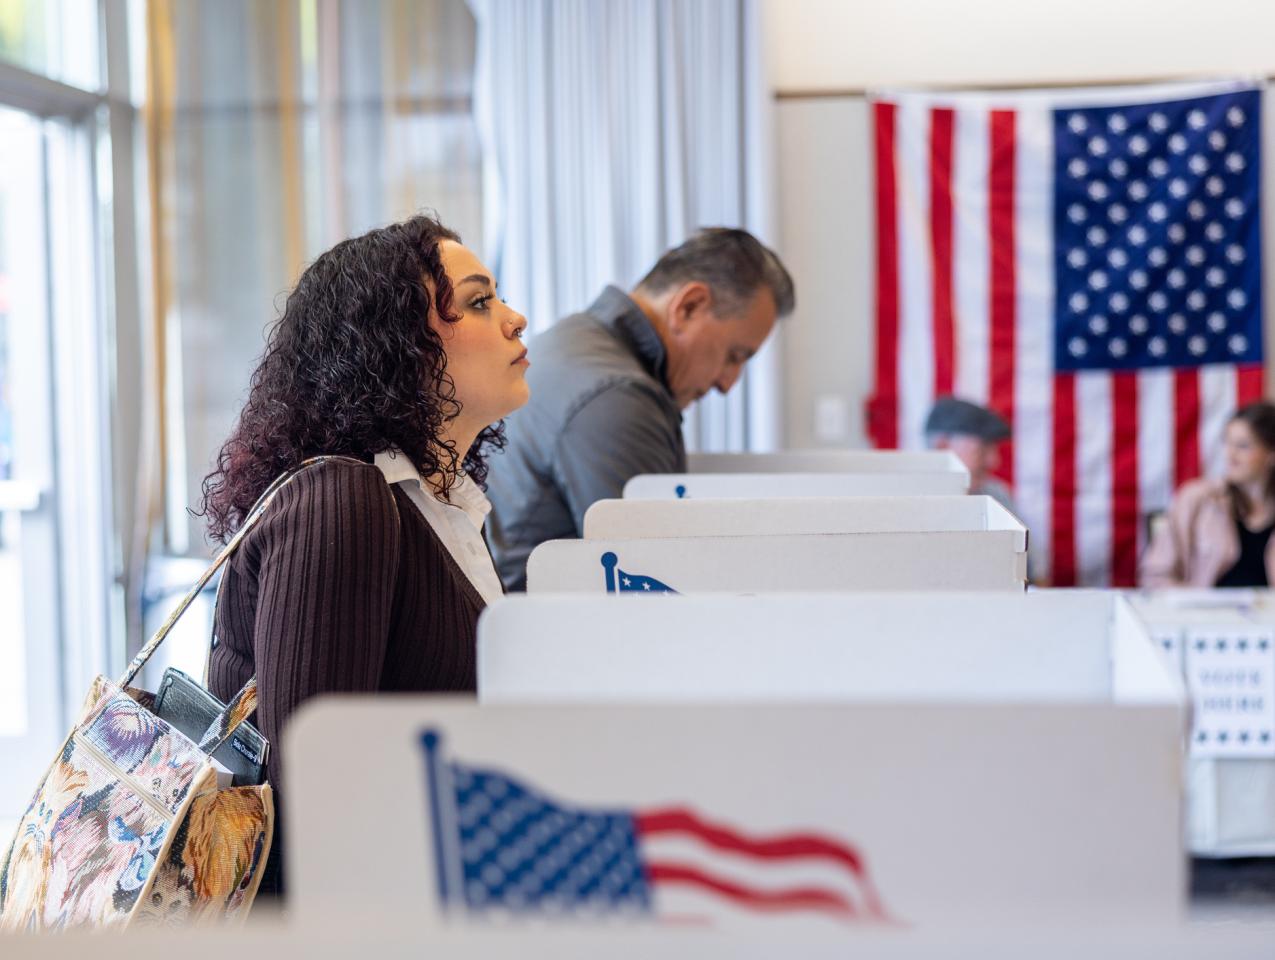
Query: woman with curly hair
{"points": [[392, 350]]}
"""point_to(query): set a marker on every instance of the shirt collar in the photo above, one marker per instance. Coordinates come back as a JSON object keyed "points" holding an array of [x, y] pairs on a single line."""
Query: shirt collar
{"points": [[617, 310], [465, 494]]}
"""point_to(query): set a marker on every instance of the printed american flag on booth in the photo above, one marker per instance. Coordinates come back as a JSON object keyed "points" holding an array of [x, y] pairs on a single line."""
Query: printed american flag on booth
{"points": [[501, 846], [1088, 264]]}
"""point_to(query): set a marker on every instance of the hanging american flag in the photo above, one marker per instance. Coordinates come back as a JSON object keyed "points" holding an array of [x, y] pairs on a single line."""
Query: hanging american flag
{"points": [[1088, 264], [501, 846]]}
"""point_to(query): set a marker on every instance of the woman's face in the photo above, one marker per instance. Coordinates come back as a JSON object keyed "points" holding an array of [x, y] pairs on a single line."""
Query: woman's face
{"points": [[1247, 460], [486, 359]]}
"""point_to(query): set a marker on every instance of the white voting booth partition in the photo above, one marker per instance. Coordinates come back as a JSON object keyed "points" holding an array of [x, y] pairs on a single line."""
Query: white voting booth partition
{"points": [[752, 546], [827, 461], [994, 756], [808, 473], [1223, 644], [677, 486]]}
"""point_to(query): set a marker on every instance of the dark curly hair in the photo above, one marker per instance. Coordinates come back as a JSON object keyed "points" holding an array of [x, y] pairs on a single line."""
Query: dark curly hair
{"points": [[351, 367]]}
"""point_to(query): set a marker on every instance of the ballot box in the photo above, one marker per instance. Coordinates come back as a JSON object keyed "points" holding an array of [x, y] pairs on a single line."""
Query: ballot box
{"points": [[827, 461], [756, 546], [1223, 644], [903, 762], [677, 486]]}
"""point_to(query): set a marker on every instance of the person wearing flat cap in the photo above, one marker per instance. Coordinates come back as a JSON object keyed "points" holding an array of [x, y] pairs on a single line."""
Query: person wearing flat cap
{"points": [[974, 434]]}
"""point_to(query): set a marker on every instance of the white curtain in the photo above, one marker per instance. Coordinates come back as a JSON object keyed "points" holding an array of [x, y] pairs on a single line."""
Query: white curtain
{"points": [[610, 132]]}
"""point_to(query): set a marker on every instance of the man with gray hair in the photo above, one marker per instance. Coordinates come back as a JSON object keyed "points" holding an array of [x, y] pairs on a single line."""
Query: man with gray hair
{"points": [[608, 386]]}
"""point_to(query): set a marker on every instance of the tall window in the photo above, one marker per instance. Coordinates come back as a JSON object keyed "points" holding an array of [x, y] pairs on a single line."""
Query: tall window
{"points": [[56, 541]]}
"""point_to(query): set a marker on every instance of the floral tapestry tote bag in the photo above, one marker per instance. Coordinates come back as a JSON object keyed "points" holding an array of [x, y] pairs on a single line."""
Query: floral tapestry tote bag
{"points": [[129, 825]]}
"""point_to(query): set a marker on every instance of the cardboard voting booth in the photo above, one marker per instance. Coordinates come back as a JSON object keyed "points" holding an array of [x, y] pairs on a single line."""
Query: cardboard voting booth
{"points": [[740, 762], [1223, 644], [754, 546], [678, 486], [827, 461], [977, 516], [784, 818]]}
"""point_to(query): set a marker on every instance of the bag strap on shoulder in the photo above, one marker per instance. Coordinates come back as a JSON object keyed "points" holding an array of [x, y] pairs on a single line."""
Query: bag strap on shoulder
{"points": [[244, 702]]}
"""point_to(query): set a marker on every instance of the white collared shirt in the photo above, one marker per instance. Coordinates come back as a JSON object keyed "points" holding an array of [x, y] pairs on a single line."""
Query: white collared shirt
{"points": [[458, 524]]}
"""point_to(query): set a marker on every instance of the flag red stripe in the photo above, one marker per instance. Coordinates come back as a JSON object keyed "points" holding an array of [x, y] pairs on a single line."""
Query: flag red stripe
{"points": [[883, 417], [1124, 478], [1063, 503], [1004, 282], [1248, 384], [1186, 425], [794, 898], [942, 124], [784, 847]]}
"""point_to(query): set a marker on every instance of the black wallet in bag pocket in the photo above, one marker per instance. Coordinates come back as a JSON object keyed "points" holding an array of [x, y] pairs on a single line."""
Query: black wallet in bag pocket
{"points": [[184, 704]]}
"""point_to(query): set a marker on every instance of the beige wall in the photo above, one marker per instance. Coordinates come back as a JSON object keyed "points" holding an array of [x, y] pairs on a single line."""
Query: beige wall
{"points": [[823, 166], [852, 44]]}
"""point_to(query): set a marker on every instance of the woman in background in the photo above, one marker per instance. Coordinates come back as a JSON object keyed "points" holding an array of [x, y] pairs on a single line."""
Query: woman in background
{"points": [[367, 574], [1218, 532]]}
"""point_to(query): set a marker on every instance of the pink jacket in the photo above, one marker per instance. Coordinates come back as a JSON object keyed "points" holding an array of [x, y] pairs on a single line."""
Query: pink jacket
{"points": [[1198, 543]]}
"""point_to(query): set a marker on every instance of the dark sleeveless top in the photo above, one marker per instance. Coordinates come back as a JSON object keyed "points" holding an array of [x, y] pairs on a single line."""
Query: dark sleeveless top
{"points": [[1249, 569]]}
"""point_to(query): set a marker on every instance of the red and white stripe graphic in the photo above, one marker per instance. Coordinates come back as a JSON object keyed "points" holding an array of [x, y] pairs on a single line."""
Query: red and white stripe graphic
{"points": [[695, 867], [965, 306]]}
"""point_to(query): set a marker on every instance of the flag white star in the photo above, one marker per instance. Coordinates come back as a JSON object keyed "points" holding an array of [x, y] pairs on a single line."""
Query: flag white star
{"points": [[1217, 140], [1138, 324], [1138, 279], [1197, 345], [1077, 123], [1137, 234], [1235, 162], [1117, 346], [1237, 299], [1098, 146], [1177, 143], [1198, 165], [1118, 258], [1158, 167], [1195, 300], [1214, 186], [1237, 342], [1235, 253], [1077, 258], [1215, 277], [1156, 346], [1118, 302], [1176, 232], [1196, 119], [1217, 321], [1235, 117], [1077, 346], [1177, 324], [1077, 213], [1234, 208], [1117, 123], [1077, 167], [1158, 122], [1195, 255], [1158, 301]]}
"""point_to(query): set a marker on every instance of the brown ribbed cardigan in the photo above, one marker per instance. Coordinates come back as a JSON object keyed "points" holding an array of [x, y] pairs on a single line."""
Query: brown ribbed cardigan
{"points": [[337, 591]]}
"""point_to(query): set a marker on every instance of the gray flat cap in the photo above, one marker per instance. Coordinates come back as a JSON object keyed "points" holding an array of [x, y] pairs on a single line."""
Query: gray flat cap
{"points": [[952, 415]]}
